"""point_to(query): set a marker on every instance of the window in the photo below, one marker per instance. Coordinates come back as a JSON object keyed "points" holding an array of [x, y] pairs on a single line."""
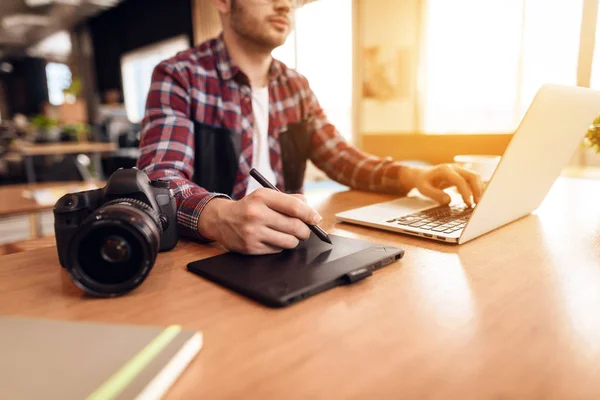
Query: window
{"points": [[136, 70], [320, 48], [59, 78], [56, 47], [595, 78], [485, 60]]}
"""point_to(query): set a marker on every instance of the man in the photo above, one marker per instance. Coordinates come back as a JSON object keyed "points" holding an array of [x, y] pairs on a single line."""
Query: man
{"points": [[218, 110]]}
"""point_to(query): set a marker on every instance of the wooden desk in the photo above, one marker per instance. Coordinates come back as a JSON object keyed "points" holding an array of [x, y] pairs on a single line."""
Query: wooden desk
{"points": [[14, 202], [514, 314], [94, 148], [65, 148]]}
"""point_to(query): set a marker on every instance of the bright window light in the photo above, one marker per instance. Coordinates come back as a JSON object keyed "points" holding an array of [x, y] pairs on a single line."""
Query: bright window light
{"points": [[320, 48], [485, 60], [59, 78], [136, 70]]}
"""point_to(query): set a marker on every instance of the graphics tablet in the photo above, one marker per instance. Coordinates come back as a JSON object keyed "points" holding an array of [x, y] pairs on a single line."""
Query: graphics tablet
{"points": [[278, 280]]}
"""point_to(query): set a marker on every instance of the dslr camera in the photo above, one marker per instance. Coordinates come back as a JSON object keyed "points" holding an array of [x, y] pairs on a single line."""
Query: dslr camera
{"points": [[108, 238]]}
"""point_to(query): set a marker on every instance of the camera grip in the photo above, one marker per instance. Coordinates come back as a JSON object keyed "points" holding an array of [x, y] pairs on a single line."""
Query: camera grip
{"points": [[168, 209]]}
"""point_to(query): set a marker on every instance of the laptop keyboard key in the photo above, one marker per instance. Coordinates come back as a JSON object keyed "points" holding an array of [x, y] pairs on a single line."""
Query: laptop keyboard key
{"points": [[409, 220], [439, 219]]}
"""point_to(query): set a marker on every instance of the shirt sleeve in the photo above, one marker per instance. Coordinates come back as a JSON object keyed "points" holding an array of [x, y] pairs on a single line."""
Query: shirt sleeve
{"points": [[167, 145], [340, 160]]}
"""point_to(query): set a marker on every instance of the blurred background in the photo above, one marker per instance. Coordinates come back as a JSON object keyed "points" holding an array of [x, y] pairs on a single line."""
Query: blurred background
{"points": [[415, 80]]}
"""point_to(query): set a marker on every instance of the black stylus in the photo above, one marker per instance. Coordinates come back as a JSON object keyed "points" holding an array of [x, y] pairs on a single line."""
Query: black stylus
{"points": [[321, 234]]}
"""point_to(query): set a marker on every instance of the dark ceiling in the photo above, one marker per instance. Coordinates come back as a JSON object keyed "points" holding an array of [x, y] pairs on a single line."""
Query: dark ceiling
{"points": [[61, 14]]}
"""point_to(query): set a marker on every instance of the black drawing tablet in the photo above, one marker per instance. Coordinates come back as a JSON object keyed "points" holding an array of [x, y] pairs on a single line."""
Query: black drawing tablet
{"points": [[279, 280]]}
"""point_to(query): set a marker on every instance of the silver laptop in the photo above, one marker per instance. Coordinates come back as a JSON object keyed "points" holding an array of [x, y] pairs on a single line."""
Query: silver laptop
{"points": [[540, 149]]}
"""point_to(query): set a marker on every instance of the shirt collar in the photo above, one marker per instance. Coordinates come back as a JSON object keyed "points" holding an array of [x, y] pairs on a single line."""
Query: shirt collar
{"points": [[228, 70]]}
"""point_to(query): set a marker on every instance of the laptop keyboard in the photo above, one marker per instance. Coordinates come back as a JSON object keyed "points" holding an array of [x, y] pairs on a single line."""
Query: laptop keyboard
{"points": [[445, 219]]}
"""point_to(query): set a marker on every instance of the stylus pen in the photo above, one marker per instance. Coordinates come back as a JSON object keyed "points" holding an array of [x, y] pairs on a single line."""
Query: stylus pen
{"points": [[321, 234]]}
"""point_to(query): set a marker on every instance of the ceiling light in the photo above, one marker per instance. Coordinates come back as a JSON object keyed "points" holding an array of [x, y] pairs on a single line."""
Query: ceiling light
{"points": [[57, 45], [40, 3], [6, 67], [104, 3], [21, 20], [37, 3]]}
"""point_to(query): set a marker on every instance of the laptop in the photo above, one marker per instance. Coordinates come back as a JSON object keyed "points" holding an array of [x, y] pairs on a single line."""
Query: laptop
{"points": [[542, 146]]}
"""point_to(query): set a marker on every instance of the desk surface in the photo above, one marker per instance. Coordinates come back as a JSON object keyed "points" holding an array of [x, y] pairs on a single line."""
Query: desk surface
{"points": [[13, 199], [65, 148], [512, 314]]}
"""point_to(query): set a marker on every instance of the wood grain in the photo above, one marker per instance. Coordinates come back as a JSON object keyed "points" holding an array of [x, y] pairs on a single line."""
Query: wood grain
{"points": [[65, 148], [13, 201], [513, 314], [28, 245]]}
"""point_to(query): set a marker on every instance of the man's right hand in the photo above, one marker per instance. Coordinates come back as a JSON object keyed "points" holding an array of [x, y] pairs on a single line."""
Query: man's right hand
{"points": [[264, 222]]}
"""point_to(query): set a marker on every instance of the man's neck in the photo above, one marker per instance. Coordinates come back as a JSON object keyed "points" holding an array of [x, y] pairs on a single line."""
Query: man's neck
{"points": [[253, 60]]}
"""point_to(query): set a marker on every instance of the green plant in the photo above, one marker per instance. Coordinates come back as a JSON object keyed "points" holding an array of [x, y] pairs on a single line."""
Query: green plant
{"points": [[592, 137], [75, 87], [77, 131], [42, 122]]}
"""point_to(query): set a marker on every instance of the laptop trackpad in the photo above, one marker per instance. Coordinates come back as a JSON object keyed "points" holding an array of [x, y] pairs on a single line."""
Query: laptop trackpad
{"points": [[390, 209]]}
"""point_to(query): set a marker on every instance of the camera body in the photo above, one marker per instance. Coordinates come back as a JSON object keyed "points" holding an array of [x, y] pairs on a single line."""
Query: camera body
{"points": [[102, 233]]}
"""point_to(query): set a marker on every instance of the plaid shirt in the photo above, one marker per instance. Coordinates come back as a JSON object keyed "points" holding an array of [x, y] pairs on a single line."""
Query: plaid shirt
{"points": [[202, 85]]}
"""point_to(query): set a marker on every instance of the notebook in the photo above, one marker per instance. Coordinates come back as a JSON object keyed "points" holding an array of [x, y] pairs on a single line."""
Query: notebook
{"points": [[78, 360]]}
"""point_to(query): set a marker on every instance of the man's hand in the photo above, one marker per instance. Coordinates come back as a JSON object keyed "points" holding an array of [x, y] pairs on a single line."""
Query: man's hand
{"points": [[432, 181], [264, 222]]}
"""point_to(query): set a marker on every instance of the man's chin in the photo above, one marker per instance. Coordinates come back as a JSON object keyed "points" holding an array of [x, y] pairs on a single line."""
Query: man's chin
{"points": [[276, 37], [273, 42]]}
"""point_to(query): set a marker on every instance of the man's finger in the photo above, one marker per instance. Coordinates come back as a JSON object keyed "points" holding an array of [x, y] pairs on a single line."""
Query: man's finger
{"points": [[461, 184], [262, 249], [282, 223], [300, 196], [474, 181], [279, 240], [427, 189], [289, 205]]}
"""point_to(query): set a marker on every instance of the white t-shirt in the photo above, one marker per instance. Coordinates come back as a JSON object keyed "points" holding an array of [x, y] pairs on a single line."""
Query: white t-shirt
{"points": [[260, 139]]}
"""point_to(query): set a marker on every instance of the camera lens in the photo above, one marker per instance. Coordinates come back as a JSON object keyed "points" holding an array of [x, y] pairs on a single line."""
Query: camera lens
{"points": [[115, 248], [110, 255]]}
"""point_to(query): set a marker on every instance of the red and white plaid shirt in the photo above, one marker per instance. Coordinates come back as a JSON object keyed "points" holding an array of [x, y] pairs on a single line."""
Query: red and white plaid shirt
{"points": [[202, 85]]}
